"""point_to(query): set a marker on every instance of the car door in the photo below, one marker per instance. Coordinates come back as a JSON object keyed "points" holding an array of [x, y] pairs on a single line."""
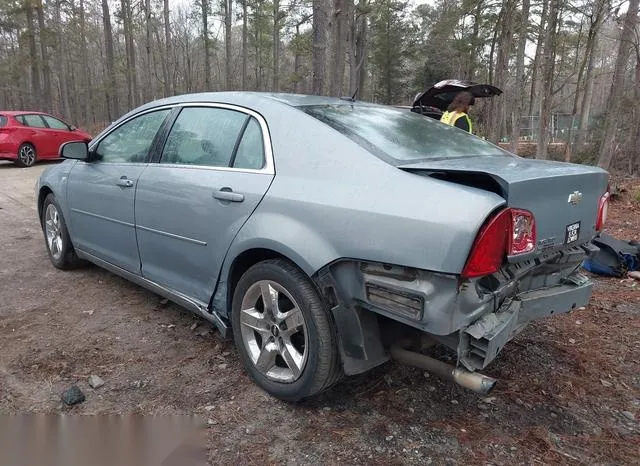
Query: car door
{"points": [[37, 134], [101, 192], [60, 133], [215, 168]]}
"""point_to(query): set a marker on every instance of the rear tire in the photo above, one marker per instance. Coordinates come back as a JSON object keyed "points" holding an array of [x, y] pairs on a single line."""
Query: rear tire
{"points": [[26, 155], [61, 251], [284, 332]]}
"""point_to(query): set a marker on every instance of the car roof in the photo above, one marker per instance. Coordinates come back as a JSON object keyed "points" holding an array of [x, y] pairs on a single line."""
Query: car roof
{"points": [[251, 99], [20, 112]]}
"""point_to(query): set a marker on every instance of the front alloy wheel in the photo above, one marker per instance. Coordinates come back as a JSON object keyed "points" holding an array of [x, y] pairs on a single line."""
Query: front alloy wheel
{"points": [[53, 232], [284, 332]]}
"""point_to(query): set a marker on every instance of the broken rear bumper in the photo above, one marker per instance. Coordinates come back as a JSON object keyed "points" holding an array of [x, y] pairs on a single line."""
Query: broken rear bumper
{"points": [[480, 342]]}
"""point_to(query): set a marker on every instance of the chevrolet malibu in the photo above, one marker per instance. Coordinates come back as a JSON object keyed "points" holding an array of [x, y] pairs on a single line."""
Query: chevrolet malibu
{"points": [[327, 236]]}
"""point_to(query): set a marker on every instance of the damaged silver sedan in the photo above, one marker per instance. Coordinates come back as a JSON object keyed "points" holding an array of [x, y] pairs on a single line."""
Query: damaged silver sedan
{"points": [[327, 236]]}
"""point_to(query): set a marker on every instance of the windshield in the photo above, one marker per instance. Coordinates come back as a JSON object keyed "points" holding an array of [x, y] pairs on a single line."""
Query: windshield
{"points": [[401, 137]]}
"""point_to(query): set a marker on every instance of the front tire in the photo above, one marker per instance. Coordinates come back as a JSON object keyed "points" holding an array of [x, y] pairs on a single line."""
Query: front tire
{"points": [[26, 155], [283, 331], [59, 246]]}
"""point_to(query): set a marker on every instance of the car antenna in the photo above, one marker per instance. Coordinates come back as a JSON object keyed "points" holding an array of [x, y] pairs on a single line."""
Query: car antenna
{"points": [[352, 98]]}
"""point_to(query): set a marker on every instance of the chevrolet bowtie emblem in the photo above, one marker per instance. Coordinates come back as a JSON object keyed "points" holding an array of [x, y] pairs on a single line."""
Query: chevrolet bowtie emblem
{"points": [[575, 197]]}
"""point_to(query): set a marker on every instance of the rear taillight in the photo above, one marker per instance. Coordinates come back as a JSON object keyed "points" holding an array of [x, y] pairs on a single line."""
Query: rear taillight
{"points": [[603, 210], [510, 232]]}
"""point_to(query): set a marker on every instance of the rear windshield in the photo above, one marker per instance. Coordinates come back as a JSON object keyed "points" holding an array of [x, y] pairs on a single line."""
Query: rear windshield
{"points": [[401, 137], [3, 120]]}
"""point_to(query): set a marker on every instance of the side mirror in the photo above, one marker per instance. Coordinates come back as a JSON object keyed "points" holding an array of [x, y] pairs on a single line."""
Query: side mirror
{"points": [[72, 128], [78, 150]]}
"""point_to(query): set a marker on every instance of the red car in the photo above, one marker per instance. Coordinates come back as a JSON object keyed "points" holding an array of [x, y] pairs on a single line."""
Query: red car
{"points": [[26, 137]]}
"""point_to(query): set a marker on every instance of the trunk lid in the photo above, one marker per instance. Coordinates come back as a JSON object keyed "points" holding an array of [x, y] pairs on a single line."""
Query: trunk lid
{"points": [[442, 93], [563, 197]]}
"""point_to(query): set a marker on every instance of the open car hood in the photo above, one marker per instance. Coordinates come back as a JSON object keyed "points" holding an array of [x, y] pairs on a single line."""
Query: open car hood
{"points": [[442, 93]]}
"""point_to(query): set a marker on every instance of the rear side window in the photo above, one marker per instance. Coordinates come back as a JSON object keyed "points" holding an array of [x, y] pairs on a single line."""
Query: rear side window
{"points": [[401, 137], [203, 136], [35, 121], [250, 154], [3, 121]]}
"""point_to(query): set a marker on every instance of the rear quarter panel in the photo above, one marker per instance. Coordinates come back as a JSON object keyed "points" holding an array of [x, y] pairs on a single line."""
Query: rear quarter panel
{"points": [[332, 199]]}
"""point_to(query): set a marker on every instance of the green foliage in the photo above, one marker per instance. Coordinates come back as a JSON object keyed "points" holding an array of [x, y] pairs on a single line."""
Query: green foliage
{"points": [[393, 48]]}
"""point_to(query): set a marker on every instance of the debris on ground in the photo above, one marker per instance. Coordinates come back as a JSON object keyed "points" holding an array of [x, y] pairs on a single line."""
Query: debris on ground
{"points": [[95, 381], [73, 396]]}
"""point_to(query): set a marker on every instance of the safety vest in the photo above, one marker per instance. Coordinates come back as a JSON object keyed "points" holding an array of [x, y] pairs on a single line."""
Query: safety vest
{"points": [[450, 118]]}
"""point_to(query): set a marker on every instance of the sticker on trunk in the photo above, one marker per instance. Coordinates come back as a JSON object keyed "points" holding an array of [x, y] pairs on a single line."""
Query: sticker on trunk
{"points": [[573, 233]]}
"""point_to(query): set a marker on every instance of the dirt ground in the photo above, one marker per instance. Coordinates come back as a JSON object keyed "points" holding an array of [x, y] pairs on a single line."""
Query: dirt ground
{"points": [[568, 391]]}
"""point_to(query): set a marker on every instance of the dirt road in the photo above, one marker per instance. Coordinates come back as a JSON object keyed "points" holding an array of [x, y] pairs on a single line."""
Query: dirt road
{"points": [[569, 387]]}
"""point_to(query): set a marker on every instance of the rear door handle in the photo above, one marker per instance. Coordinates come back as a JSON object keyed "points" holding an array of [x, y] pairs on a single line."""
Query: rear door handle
{"points": [[124, 182], [226, 194]]}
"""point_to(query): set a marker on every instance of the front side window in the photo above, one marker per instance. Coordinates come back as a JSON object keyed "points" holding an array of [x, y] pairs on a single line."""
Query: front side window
{"points": [[35, 121], [203, 136], [3, 121], [401, 137], [54, 123], [131, 141]]}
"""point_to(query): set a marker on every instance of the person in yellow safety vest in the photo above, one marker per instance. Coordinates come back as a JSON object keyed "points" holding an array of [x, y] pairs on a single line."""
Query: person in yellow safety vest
{"points": [[456, 115]]}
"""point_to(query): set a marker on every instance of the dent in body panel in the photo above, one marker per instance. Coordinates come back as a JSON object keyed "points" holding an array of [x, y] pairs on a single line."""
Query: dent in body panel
{"points": [[446, 306]]}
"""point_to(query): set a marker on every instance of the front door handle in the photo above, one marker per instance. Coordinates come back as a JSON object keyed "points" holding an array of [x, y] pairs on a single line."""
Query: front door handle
{"points": [[124, 182], [226, 194]]}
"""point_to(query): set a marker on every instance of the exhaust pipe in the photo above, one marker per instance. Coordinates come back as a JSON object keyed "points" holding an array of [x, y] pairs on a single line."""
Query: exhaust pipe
{"points": [[472, 380]]}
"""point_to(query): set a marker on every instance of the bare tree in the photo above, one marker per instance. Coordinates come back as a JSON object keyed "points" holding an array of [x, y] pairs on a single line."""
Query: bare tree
{"points": [[505, 45], [339, 44], [228, 20], [111, 89], [320, 26], [33, 55], [46, 72], [169, 86], [538, 55], [84, 58], [204, 4], [606, 148], [548, 67], [518, 110]]}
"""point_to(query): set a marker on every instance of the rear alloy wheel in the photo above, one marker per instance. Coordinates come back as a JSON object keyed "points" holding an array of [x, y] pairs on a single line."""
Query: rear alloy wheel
{"points": [[26, 155], [59, 246], [283, 331]]}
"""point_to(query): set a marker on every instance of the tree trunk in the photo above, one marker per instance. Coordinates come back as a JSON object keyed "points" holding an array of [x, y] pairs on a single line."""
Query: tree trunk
{"points": [[205, 37], [169, 89], [319, 33], [148, 91], [606, 149], [548, 68], [520, 76], [361, 51], [276, 45], [245, 48], [47, 103], [498, 104], [111, 89], [538, 55], [33, 57], [297, 61], [228, 23], [61, 64], [84, 57], [592, 49], [635, 145], [338, 51]]}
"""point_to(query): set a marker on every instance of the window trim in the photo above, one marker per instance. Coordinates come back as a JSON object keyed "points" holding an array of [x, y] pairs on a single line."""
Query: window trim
{"points": [[269, 165], [57, 119], [93, 145], [44, 122]]}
